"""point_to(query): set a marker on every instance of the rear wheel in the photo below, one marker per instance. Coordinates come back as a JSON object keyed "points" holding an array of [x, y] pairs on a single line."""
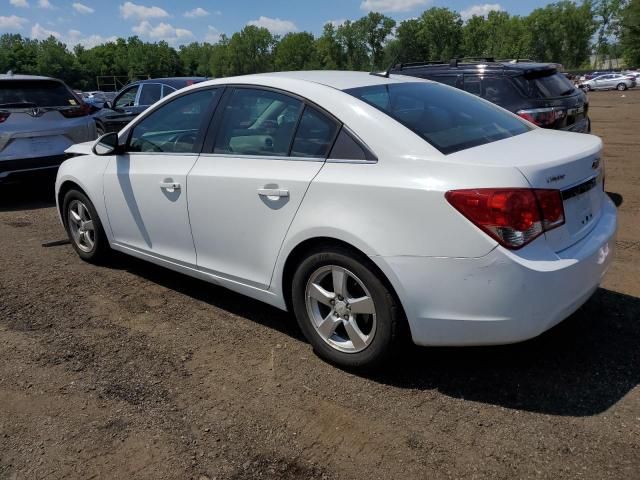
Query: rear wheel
{"points": [[345, 309], [621, 87], [84, 227]]}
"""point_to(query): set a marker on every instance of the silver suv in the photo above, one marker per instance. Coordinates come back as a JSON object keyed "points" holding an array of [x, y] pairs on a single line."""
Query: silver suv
{"points": [[40, 118]]}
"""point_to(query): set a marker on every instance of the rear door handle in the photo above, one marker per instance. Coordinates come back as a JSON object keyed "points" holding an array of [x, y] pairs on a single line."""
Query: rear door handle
{"points": [[170, 186], [273, 192]]}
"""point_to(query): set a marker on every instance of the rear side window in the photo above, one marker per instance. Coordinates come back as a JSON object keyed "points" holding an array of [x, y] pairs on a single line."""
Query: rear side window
{"points": [[41, 93], [496, 89], [151, 93], [448, 119], [258, 122], [315, 135], [545, 85]]}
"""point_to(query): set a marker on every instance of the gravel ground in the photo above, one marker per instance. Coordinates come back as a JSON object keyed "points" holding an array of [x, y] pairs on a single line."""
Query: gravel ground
{"points": [[132, 371]]}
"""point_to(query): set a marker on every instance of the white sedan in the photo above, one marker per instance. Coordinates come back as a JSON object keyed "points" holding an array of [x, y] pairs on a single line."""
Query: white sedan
{"points": [[371, 207]]}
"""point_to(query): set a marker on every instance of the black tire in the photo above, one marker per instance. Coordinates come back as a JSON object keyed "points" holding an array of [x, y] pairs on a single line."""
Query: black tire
{"points": [[100, 250], [621, 87], [387, 314]]}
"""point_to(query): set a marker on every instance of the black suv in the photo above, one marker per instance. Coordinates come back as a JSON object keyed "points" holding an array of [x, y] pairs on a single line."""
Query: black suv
{"points": [[535, 91]]}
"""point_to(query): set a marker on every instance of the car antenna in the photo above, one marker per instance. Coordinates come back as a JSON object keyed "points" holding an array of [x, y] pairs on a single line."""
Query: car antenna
{"points": [[387, 72]]}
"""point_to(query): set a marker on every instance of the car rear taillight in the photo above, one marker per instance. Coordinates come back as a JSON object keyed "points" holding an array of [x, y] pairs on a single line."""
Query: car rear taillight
{"points": [[543, 117], [4, 116], [79, 111], [513, 216]]}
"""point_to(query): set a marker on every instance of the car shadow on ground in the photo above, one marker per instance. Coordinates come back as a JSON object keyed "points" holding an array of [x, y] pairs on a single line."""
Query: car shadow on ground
{"points": [[581, 367], [28, 193]]}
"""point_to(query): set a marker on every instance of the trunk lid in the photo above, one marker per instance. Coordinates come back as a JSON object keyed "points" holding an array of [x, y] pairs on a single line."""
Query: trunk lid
{"points": [[569, 162]]}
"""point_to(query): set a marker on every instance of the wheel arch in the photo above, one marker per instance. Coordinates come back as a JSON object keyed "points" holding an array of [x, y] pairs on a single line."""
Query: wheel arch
{"points": [[309, 245]]}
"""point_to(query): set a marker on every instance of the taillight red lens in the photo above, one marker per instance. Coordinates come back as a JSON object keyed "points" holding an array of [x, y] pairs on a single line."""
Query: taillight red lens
{"points": [[79, 111], [543, 117], [4, 116], [513, 216]]}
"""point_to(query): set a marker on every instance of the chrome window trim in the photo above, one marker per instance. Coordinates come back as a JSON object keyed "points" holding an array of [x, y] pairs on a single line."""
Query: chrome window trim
{"points": [[264, 157]]}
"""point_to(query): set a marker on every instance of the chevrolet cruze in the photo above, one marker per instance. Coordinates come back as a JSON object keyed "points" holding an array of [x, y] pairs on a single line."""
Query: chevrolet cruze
{"points": [[370, 206]]}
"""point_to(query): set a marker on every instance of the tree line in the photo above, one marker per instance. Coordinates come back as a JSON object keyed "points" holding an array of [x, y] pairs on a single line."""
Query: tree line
{"points": [[565, 32]]}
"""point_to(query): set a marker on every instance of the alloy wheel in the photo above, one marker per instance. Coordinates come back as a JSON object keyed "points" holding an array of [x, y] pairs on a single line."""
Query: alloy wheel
{"points": [[81, 226], [341, 309]]}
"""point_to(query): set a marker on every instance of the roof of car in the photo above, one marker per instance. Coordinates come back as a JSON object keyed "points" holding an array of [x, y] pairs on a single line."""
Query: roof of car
{"points": [[12, 76], [172, 81], [340, 80], [515, 66]]}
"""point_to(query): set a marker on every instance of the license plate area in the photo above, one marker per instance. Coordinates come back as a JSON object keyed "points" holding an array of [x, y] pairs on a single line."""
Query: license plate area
{"points": [[582, 204]]}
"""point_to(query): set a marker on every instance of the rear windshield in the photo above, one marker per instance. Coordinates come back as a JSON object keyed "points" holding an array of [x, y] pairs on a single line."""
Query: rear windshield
{"points": [[547, 85], [41, 93], [447, 118]]}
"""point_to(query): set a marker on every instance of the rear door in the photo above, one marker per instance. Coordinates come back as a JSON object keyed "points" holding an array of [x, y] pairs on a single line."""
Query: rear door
{"points": [[265, 149]]}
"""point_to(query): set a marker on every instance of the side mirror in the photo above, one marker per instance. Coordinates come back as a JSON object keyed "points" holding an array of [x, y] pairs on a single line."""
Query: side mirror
{"points": [[107, 144], [108, 105]]}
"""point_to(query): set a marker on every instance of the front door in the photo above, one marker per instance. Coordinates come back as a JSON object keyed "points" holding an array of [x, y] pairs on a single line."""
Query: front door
{"points": [[145, 188], [244, 193]]}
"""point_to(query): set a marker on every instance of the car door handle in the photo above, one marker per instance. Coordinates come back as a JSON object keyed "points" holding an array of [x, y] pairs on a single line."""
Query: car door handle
{"points": [[273, 192], [170, 185]]}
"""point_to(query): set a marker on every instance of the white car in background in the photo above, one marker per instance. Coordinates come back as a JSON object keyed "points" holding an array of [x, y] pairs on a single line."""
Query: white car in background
{"points": [[609, 81], [362, 203], [40, 118]]}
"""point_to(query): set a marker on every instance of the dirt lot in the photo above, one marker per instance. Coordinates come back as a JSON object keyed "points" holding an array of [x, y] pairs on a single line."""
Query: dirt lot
{"points": [[131, 371]]}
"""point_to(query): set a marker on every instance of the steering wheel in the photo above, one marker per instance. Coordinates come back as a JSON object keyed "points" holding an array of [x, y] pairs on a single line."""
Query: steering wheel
{"points": [[152, 146]]}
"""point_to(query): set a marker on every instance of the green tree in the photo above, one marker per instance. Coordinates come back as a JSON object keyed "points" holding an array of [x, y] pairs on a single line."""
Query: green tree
{"points": [[328, 49], [374, 29], [475, 37], [250, 51], [407, 45], [630, 33], [441, 33], [353, 42], [296, 51]]}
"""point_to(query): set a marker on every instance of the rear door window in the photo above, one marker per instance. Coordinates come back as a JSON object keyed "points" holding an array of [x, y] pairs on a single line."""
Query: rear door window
{"points": [[41, 93], [258, 122], [446, 118], [315, 135], [150, 94]]}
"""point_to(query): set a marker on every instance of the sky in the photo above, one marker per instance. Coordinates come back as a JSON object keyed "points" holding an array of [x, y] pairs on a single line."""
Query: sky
{"points": [[90, 22]]}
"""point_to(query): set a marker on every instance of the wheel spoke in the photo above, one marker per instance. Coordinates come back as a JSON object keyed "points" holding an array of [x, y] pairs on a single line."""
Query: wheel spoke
{"points": [[362, 305], [328, 326], [89, 225], [339, 277], [88, 240], [84, 213], [358, 339], [320, 294], [74, 216]]}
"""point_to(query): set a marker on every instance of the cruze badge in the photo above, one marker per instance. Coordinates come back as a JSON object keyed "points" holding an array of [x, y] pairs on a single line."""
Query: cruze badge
{"points": [[555, 178]]}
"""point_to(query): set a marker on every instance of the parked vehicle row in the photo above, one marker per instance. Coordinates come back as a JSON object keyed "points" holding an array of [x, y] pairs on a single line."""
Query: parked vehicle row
{"points": [[368, 205], [609, 81]]}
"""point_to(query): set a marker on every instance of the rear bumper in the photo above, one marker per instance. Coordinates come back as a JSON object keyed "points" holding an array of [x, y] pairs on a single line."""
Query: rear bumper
{"points": [[503, 297], [29, 165], [583, 126]]}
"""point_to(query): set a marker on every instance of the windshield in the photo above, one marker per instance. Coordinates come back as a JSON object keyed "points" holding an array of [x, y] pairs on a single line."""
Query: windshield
{"points": [[41, 93], [447, 118]]}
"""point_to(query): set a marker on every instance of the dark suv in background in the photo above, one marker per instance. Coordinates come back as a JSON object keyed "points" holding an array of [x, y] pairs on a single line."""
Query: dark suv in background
{"points": [[537, 92]]}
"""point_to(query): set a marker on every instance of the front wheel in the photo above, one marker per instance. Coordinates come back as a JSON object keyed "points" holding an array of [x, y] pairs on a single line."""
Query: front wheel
{"points": [[345, 309], [84, 227], [621, 87]]}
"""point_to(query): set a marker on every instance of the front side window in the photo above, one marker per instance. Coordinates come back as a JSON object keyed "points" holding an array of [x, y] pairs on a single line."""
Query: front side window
{"points": [[315, 135], [127, 98], [446, 118], [175, 126], [151, 93], [258, 122]]}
